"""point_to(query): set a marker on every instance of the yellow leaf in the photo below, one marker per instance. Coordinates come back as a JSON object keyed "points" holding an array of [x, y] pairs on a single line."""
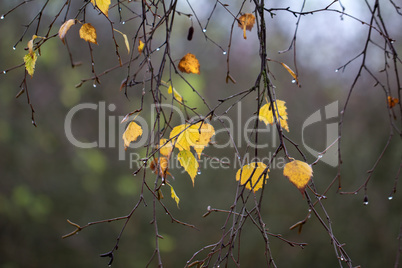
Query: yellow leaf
{"points": [[30, 61], [205, 132], [189, 64], [64, 28], [88, 33], [299, 173], [103, 5], [182, 138], [174, 195], [190, 164], [141, 46], [291, 73], [392, 101], [252, 175], [176, 94], [133, 131], [166, 147], [266, 114], [246, 22]]}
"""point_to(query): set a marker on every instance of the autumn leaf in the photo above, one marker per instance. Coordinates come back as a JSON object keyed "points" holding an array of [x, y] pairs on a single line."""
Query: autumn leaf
{"points": [[392, 101], [205, 131], [64, 28], [188, 161], [197, 135], [166, 147], [125, 40], [141, 46], [252, 175], [174, 195], [30, 45], [133, 131], [182, 138], [246, 22], [299, 173], [266, 114], [103, 5], [291, 73], [30, 61], [160, 166], [88, 33], [176, 94], [189, 64]]}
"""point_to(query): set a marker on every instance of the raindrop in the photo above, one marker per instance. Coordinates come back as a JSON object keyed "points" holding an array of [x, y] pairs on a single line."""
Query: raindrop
{"points": [[13, 48], [4, 72], [2, 17], [392, 41], [294, 81], [342, 258], [199, 172], [158, 48], [337, 70], [204, 30], [390, 197], [224, 52], [94, 85], [93, 63], [123, 22], [323, 197], [119, 8], [135, 174], [365, 201]]}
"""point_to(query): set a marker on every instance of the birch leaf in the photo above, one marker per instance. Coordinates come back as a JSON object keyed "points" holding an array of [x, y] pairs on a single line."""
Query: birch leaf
{"points": [[266, 114], [103, 5], [246, 22], [133, 131], [88, 33], [205, 132], [141, 46], [299, 173], [64, 28], [252, 175], [174, 195], [189, 64], [190, 164], [166, 147], [30, 61]]}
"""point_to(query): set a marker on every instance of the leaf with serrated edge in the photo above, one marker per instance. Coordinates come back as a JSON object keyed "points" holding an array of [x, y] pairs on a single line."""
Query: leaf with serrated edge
{"points": [[88, 33], [189, 64], [267, 117], [190, 164], [252, 175], [299, 173], [30, 61], [133, 131], [174, 195]]}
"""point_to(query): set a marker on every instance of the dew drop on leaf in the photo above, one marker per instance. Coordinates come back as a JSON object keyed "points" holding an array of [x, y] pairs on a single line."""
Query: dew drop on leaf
{"points": [[204, 30]]}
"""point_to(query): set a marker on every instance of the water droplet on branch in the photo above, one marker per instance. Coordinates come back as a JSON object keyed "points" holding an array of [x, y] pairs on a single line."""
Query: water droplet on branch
{"points": [[2, 17], [390, 197], [224, 52], [294, 81], [204, 30]]}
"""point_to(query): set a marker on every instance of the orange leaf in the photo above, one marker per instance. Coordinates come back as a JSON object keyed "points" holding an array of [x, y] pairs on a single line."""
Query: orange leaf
{"points": [[160, 166], [246, 22], [103, 5], [64, 28], [133, 131], [189, 64], [392, 101], [291, 73], [299, 173], [252, 175], [88, 33]]}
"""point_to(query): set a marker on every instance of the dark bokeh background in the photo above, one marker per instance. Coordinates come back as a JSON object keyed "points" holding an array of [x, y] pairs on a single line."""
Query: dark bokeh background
{"points": [[45, 180]]}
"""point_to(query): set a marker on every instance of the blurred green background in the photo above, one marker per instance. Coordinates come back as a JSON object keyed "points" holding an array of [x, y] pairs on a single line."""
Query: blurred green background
{"points": [[46, 180]]}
